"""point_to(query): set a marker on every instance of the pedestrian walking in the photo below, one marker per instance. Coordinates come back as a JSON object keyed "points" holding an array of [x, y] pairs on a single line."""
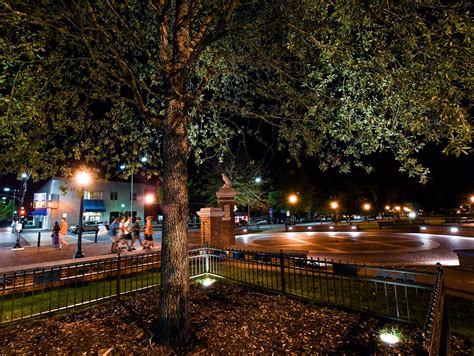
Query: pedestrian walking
{"points": [[128, 232], [55, 236], [13, 225], [148, 234], [121, 234], [114, 235], [63, 232], [136, 232]]}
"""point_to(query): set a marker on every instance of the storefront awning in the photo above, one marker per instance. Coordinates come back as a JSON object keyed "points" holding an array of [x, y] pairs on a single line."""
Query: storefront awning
{"points": [[40, 212], [94, 206]]}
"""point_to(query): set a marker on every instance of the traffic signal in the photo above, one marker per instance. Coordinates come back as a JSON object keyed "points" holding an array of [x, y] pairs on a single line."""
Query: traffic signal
{"points": [[22, 212]]}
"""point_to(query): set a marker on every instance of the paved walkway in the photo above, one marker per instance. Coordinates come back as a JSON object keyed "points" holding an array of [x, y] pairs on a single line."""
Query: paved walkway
{"points": [[375, 247]]}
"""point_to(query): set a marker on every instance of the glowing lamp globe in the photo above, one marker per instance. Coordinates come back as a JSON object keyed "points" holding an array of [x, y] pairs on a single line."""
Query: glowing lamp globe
{"points": [[334, 205], [149, 198], [366, 206], [83, 178], [292, 199]]}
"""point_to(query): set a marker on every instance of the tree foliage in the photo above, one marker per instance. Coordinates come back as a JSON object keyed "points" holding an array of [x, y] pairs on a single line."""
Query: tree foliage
{"points": [[339, 81], [242, 172], [6, 209]]}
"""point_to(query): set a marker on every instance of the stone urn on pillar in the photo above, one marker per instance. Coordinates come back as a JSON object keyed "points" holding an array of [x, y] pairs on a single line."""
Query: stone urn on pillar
{"points": [[226, 201]]}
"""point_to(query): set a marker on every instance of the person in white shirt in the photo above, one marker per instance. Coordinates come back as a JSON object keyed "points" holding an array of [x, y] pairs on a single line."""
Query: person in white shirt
{"points": [[121, 234]]}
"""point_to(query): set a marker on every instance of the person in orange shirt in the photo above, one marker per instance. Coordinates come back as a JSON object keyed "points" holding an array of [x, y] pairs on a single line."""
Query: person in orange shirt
{"points": [[148, 234], [62, 233]]}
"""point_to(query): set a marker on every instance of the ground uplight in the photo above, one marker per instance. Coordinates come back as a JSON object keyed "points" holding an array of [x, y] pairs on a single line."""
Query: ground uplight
{"points": [[206, 282], [389, 338]]}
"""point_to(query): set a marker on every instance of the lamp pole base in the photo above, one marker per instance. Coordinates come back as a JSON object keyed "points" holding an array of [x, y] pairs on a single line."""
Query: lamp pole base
{"points": [[78, 254]]}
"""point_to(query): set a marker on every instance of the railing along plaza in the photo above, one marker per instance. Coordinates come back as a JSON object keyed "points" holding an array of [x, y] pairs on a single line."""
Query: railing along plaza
{"points": [[399, 294]]}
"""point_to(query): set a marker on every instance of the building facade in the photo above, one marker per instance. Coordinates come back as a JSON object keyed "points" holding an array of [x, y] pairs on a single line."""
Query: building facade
{"points": [[103, 200]]}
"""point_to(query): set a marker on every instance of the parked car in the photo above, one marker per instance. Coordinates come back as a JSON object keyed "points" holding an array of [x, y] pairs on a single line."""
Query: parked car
{"points": [[86, 226], [262, 222]]}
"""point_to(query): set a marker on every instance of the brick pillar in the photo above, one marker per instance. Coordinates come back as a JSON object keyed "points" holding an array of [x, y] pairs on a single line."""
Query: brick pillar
{"points": [[211, 229], [226, 201]]}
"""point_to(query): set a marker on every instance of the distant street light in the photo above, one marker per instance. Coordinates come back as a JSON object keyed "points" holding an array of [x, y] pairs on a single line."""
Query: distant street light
{"points": [[83, 178], [367, 208], [472, 198], [258, 180], [143, 159], [335, 205], [21, 197], [6, 189], [387, 207], [293, 199], [149, 199]]}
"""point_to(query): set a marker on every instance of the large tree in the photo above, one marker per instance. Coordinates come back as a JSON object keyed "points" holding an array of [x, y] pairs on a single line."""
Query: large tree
{"points": [[102, 82]]}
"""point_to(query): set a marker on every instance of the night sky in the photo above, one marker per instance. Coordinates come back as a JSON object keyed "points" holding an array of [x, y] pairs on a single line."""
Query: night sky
{"points": [[450, 183]]}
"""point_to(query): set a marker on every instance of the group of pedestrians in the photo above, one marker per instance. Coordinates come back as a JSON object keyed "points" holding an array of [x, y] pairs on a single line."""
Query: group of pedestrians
{"points": [[59, 234], [124, 234]]}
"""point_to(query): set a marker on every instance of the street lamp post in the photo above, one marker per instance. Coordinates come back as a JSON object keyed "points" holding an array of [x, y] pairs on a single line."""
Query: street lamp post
{"points": [[334, 205], [258, 180], [293, 199], [144, 159], [83, 178], [149, 200], [367, 208], [398, 209], [24, 179]]}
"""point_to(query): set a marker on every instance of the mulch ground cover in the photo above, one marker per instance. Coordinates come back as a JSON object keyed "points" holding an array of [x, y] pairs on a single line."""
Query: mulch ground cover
{"points": [[226, 319]]}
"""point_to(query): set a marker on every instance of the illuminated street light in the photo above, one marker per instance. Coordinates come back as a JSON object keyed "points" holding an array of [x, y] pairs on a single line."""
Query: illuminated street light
{"points": [[387, 207], [397, 208], [6, 189], [293, 199], [143, 159], [334, 205], [258, 180], [471, 198], [149, 199], [24, 175], [83, 178], [367, 208]]}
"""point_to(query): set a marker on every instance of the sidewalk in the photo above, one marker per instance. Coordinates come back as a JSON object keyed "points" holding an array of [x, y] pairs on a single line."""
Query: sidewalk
{"points": [[39, 255]]}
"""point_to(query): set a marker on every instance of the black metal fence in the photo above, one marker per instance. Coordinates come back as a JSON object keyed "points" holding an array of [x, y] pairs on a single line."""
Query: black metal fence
{"points": [[33, 292], [399, 294]]}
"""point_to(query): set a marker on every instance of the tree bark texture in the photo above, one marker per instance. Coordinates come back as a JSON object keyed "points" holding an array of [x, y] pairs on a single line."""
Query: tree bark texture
{"points": [[174, 324]]}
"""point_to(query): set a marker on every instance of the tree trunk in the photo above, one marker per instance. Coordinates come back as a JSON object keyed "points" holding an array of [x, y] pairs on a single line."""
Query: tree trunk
{"points": [[174, 324]]}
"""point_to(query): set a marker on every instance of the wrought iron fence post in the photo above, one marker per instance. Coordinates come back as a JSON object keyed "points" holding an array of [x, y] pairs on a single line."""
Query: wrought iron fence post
{"points": [[95, 238], [39, 239], [118, 278], [282, 272]]}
